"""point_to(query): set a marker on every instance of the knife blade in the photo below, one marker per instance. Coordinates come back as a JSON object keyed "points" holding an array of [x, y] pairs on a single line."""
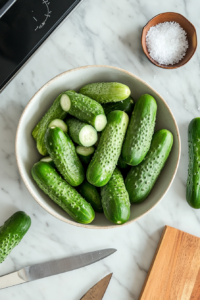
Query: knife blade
{"points": [[98, 290], [54, 267]]}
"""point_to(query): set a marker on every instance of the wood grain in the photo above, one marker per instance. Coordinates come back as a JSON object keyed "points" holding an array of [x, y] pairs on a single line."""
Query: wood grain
{"points": [[175, 270]]}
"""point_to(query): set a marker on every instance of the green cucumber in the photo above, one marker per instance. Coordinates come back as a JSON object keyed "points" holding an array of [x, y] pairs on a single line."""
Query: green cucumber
{"points": [[140, 130], [105, 92], [125, 105], [115, 199], [141, 179], [58, 123], [81, 133], [38, 133], [84, 109], [108, 151], [193, 181], [12, 232], [62, 151], [91, 195], [52, 184], [85, 154]]}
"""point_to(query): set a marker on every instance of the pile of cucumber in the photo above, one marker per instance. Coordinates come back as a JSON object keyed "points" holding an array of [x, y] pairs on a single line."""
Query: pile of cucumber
{"points": [[95, 159]]}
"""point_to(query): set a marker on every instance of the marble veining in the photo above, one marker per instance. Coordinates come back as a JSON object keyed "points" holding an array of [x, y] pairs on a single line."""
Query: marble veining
{"points": [[97, 32]]}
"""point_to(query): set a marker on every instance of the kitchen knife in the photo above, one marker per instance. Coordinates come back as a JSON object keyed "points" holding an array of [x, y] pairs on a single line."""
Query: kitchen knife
{"points": [[98, 290], [54, 267]]}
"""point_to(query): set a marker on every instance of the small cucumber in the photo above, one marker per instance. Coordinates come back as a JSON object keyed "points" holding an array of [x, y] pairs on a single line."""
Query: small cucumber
{"points": [[193, 181], [84, 109], [63, 153], [141, 179], [108, 151], [81, 133], [115, 199], [62, 193], [12, 232], [58, 123], [125, 105], [85, 154], [91, 195], [38, 133], [140, 131], [105, 92]]}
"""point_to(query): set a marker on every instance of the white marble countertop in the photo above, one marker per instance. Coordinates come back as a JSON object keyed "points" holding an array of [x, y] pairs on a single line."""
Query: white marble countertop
{"points": [[98, 32]]}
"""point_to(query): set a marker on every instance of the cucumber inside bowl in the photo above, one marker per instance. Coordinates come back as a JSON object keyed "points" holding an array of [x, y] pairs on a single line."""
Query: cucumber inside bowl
{"points": [[27, 154]]}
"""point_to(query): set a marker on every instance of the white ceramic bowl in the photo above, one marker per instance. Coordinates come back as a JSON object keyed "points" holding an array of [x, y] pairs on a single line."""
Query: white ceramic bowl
{"points": [[27, 154]]}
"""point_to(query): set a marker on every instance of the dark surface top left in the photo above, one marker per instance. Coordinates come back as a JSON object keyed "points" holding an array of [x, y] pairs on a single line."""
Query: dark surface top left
{"points": [[24, 27]]}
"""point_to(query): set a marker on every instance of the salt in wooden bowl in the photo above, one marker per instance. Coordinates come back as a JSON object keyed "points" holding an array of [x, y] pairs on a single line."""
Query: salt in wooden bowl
{"points": [[185, 24]]}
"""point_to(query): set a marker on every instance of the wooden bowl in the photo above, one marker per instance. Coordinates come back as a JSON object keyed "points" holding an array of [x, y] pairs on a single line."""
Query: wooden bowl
{"points": [[27, 154], [185, 24]]}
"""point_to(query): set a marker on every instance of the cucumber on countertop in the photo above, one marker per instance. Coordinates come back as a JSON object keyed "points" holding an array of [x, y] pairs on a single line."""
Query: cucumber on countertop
{"points": [[62, 193], [104, 92], [81, 133], [141, 179], [140, 130], [12, 232], [91, 195], [84, 109], [85, 154], [125, 105], [108, 150], [63, 153], [193, 181], [58, 123], [38, 133], [115, 199]]}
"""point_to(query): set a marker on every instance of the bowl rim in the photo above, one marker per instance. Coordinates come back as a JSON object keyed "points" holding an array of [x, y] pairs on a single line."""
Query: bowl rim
{"points": [[169, 67], [71, 222]]}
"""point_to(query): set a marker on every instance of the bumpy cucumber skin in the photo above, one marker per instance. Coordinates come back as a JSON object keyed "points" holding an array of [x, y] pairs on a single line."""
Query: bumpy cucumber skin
{"points": [[105, 92], [140, 131], [126, 105], [62, 193], [38, 133], [84, 108], [74, 128], [115, 199], [108, 150], [62, 151], [141, 179], [12, 232], [193, 181], [91, 195]]}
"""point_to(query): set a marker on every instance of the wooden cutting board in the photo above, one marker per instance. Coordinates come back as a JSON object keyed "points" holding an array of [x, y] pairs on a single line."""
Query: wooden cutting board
{"points": [[175, 270]]}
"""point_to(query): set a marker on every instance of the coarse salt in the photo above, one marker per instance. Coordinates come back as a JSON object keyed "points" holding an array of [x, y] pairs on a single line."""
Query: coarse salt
{"points": [[167, 43]]}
